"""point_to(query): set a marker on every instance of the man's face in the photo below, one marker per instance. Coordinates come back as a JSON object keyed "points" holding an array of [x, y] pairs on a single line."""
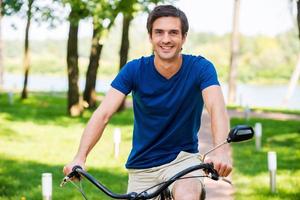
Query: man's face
{"points": [[167, 38]]}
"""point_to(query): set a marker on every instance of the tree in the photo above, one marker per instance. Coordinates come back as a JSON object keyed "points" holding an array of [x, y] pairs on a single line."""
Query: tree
{"points": [[89, 94], [31, 10], [104, 13], [26, 61], [296, 73], [234, 54], [74, 107], [128, 10], [124, 48], [78, 11]]}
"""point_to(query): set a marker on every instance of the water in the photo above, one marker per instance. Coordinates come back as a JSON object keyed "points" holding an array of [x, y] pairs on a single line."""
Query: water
{"points": [[265, 96], [47, 83], [251, 95]]}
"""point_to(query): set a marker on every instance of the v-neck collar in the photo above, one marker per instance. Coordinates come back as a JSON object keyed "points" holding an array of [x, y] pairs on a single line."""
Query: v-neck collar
{"points": [[161, 76]]}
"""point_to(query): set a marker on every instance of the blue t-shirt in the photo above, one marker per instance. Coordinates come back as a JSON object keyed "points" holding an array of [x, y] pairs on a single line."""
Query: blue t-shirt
{"points": [[167, 112]]}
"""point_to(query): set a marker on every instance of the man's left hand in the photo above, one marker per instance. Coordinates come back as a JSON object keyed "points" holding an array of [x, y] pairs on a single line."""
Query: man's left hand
{"points": [[221, 163]]}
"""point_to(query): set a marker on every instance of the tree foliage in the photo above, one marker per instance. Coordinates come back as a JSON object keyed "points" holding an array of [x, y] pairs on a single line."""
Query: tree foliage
{"points": [[10, 7]]}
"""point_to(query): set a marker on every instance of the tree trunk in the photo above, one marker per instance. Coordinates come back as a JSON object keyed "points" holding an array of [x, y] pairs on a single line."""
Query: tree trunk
{"points": [[1, 48], [124, 46], [91, 75], [296, 74], [26, 61], [234, 54], [125, 40], [74, 105]]}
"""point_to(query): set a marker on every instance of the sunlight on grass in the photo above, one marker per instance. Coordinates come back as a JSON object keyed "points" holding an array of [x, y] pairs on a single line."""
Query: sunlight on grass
{"points": [[251, 176], [36, 136]]}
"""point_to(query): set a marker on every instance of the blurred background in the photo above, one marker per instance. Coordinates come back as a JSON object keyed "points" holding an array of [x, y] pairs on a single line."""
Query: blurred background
{"points": [[58, 57], [266, 44]]}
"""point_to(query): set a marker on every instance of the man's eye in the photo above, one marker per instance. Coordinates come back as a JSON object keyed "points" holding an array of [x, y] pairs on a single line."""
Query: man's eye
{"points": [[174, 32]]}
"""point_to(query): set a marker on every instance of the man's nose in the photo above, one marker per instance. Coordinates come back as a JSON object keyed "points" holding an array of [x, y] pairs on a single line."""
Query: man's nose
{"points": [[166, 38]]}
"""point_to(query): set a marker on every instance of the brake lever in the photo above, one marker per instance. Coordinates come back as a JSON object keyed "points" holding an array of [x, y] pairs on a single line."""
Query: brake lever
{"points": [[64, 181], [226, 180], [213, 174]]}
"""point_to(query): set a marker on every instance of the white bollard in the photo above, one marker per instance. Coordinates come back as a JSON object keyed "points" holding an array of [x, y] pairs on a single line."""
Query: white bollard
{"points": [[47, 186], [258, 134], [272, 166], [117, 141], [10, 98], [247, 112]]}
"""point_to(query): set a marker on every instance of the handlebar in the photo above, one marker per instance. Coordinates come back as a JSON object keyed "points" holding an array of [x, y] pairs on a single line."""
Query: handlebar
{"points": [[77, 171], [237, 134]]}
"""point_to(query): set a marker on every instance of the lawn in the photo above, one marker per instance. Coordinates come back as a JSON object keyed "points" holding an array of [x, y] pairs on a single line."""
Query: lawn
{"points": [[36, 136], [251, 176]]}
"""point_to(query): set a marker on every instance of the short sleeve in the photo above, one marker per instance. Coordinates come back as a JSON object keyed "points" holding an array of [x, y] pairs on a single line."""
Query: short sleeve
{"points": [[124, 80], [207, 75]]}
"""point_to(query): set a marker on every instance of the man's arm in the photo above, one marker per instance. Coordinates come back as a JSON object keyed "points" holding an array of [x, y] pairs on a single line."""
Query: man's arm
{"points": [[95, 127], [215, 105]]}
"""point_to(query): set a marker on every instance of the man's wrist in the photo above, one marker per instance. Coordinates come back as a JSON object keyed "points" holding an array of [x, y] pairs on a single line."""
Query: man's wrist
{"points": [[80, 158], [221, 150]]}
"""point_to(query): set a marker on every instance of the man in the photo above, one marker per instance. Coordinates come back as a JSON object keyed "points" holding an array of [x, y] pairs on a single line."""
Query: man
{"points": [[169, 90]]}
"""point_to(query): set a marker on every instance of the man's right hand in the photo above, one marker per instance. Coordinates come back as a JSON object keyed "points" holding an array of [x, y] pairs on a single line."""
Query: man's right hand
{"points": [[68, 168]]}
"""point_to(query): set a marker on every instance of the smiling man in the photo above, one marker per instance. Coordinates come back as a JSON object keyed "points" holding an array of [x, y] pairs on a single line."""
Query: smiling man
{"points": [[169, 91]]}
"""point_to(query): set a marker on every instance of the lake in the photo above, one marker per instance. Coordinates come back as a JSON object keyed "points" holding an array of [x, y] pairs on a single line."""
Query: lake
{"points": [[251, 95]]}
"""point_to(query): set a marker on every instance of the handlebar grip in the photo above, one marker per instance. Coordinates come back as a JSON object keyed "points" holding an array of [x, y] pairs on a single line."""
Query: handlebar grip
{"points": [[74, 172], [214, 174], [71, 175], [76, 167]]}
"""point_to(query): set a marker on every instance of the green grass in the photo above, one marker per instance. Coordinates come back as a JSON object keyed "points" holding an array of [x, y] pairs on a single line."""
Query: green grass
{"points": [[251, 176], [36, 136]]}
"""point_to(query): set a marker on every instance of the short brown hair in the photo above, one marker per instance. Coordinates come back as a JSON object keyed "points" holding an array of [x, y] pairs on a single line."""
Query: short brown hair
{"points": [[167, 11]]}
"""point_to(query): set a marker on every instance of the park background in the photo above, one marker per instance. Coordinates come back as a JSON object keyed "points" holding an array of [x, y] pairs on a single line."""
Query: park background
{"points": [[38, 135]]}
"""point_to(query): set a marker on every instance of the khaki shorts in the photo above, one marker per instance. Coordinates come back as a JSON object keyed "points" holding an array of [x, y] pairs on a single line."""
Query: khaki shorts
{"points": [[142, 179]]}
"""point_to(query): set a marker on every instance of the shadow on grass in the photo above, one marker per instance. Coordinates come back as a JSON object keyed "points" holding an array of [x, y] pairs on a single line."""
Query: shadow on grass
{"points": [[50, 108], [280, 136], [23, 179]]}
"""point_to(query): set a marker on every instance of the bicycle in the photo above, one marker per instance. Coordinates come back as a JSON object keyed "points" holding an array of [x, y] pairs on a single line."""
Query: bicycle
{"points": [[237, 134]]}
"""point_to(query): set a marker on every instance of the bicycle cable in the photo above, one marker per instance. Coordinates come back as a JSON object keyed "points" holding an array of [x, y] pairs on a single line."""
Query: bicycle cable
{"points": [[80, 189]]}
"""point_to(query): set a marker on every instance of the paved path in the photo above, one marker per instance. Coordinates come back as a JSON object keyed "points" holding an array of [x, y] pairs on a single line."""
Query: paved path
{"points": [[215, 189], [266, 115]]}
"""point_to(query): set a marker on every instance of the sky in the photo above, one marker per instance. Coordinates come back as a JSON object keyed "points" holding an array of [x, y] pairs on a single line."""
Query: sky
{"points": [[267, 17]]}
